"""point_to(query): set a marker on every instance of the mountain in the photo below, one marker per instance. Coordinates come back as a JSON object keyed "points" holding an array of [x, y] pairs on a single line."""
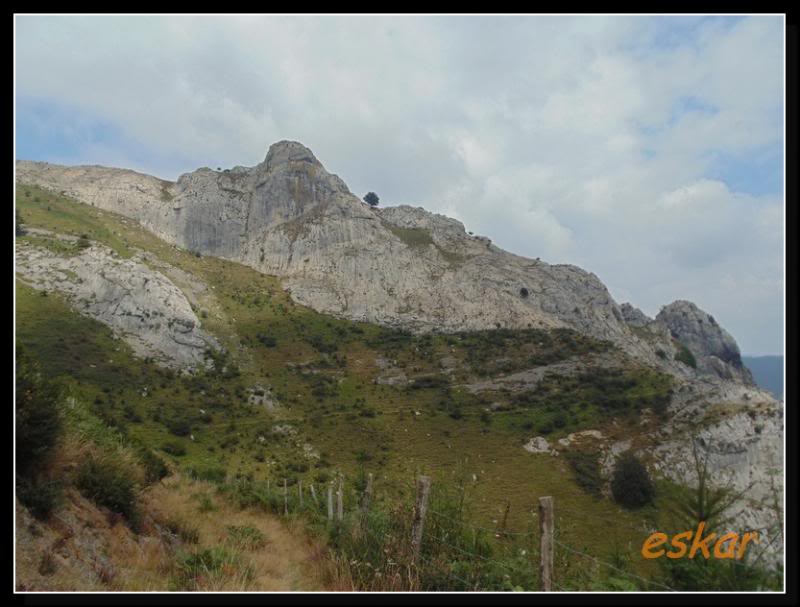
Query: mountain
{"points": [[398, 266], [266, 323], [767, 372]]}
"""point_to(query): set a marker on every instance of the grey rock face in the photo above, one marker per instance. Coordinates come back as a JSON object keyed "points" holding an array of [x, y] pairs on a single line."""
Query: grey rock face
{"points": [[739, 429], [634, 316], [713, 347], [141, 306], [399, 266]]}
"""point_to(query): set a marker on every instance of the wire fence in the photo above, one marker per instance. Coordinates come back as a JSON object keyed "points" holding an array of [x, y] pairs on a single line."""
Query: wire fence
{"points": [[452, 552]]}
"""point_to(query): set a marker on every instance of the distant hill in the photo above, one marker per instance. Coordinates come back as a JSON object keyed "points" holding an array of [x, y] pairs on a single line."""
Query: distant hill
{"points": [[767, 371]]}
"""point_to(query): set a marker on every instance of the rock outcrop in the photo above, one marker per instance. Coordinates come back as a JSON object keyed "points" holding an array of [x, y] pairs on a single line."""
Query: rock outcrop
{"points": [[634, 316], [714, 349], [139, 304], [399, 266]]}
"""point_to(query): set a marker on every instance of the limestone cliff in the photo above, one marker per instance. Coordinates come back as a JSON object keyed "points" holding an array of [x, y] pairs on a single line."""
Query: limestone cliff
{"points": [[399, 266]]}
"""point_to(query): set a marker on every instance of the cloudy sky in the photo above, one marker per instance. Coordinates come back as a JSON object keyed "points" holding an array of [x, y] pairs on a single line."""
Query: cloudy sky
{"points": [[648, 150]]}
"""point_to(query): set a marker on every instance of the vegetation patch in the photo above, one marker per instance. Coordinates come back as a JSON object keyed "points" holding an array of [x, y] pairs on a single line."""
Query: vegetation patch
{"points": [[631, 485], [111, 484], [412, 237], [245, 537], [585, 467], [685, 356]]}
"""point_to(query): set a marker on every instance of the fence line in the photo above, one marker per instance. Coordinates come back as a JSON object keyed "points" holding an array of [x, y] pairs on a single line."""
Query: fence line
{"points": [[473, 554], [316, 511], [614, 567], [449, 572], [486, 529]]}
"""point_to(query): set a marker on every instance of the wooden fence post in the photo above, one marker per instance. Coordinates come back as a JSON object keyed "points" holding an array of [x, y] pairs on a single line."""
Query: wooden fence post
{"points": [[330, 501], [420, 509], [546, 545], [285, 498], [366, 500], [339, 500], [505, 516]]}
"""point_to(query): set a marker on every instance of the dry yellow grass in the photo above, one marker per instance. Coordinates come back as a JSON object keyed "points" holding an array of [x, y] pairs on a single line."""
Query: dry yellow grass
{"points": [[83, 547], [287, 560]]}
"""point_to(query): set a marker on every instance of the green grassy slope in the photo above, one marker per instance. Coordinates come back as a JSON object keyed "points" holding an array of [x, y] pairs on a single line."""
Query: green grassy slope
{"points": [[322, 371]]}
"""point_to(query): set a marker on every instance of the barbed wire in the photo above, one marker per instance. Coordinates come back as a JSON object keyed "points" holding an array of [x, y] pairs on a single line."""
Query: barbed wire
{"points": [[614, 567], [473, 554], [486, 529], [449, 572]]}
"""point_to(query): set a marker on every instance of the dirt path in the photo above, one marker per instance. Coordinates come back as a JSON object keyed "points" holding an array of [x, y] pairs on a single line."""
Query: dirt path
{"points": [[287, 560]]}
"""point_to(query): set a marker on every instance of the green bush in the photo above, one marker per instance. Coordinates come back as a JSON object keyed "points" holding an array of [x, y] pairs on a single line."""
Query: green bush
{"points": [[372, 199], [430, 382], [631, 485], [179, 427], [685, 356], [212, 474], [20, 229], [174, 448], [268, 340], [110, 484], [154, 467], [40, 497], [38, 423], [211, 564], [246, 537], [586, 468]]}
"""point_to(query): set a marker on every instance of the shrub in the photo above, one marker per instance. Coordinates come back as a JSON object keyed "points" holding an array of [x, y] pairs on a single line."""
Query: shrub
{"points": [[245, 537], [83, 242], [212, 474], [429, 381], [685, 356], [211, 565], [268, 340], [154, 467], [206, 504], [131, 415], [179, 427], [631, 485], [586, 468], [372, 199], [110, 484], [174, 448], [38, 423], [187, 533], [41, 498], [20, 229]]}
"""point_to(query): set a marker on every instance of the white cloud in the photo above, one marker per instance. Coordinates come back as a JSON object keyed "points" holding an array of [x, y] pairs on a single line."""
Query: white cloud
{"points": [[584, 140]]}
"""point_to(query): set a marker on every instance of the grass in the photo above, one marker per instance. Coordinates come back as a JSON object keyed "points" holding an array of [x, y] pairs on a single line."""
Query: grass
{"points": [[321, 371], [413, 237]]}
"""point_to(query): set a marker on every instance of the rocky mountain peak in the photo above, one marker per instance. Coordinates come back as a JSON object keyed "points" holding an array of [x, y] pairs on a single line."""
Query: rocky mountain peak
{"points": [[715, 350], [398, 266], [284, 152]]}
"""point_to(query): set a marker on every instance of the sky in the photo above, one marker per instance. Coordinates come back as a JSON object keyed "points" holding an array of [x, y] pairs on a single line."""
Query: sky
{"points": [[645, 149]]}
